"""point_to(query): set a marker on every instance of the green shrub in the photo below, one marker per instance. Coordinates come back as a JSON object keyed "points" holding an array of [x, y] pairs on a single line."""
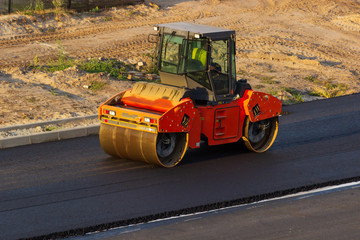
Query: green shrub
{"points": [[315, 94], [259, 86], [269, 80], [52, 92], [297, 96], [50, 128], [97, 85], [39, 5], [310, 78], [107, 18], [61, 62], [330, 91], [30, 9], [59, 9], [31, 100], [111, 67], [273, 92], [95, 10]]}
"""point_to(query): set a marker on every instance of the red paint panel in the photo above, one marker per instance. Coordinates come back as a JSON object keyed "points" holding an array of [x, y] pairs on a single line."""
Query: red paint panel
{"points": [[259, 106], [195, 132], [231, 125], [226, 122], [179, 118]]}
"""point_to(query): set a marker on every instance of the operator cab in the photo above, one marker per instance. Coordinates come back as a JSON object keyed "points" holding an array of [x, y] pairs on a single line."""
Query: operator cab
{"points": [[199, 58]]}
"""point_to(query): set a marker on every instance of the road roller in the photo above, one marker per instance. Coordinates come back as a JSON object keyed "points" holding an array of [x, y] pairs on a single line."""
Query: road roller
{"points": [[197, 100]]}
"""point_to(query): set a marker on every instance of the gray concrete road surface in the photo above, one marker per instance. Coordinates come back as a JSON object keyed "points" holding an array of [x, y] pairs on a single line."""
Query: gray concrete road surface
{"points": [[333, 215]]}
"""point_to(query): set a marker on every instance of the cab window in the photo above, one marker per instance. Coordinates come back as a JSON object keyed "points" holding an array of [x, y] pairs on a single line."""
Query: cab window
{"points": [[195, 59], [196, 55], [219, 66], [170, 53]]}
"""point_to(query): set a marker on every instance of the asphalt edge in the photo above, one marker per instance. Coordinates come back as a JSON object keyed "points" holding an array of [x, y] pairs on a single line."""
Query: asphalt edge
{"points": [[191, 210]]}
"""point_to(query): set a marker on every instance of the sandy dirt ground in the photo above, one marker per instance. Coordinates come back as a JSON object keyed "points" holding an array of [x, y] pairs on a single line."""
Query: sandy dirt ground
{"points": [[289, 48]]}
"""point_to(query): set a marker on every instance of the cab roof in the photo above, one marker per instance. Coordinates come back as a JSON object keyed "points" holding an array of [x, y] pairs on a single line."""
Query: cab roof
{"points": [[214, 33]]}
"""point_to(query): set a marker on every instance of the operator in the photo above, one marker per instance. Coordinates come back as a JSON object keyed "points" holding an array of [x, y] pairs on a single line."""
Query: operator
{"points": [[215, 66], [200, 55]]}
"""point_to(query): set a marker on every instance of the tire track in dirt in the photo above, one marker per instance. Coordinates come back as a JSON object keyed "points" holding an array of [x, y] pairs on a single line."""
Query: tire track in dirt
{"points": [[287, 46], [99, 28], [67, 35], [348, 23], [118, 49], [293, 50]]}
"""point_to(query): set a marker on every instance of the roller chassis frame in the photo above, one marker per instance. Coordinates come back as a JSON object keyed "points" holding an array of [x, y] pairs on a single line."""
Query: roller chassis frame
{"points": [[157, 122], [219, 124]]}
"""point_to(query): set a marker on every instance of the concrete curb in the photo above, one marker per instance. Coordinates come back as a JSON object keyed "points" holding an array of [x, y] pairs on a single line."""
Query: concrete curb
{"points": [[49, 136], [59, 121]]}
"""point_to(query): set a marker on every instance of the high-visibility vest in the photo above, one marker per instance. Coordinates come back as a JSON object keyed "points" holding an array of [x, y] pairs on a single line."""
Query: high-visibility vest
{"points": [[199, 54]]}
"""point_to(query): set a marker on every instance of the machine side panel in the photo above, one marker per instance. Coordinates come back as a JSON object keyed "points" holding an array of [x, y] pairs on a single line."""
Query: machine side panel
{"points": [[195, 132], [259, 106], [234, 121], [226, 122], [178, 119]]}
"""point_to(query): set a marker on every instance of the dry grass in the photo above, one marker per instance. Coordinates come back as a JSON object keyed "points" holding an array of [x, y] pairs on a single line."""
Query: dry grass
{"points": [[330, 90]]}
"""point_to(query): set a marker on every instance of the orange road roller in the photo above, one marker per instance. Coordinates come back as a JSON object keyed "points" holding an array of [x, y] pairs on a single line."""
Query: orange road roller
{"points": [[198, 99]]}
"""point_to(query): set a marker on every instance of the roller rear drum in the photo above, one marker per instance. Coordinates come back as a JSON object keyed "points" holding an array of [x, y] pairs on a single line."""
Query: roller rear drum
{"points": [[260, 135]]}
